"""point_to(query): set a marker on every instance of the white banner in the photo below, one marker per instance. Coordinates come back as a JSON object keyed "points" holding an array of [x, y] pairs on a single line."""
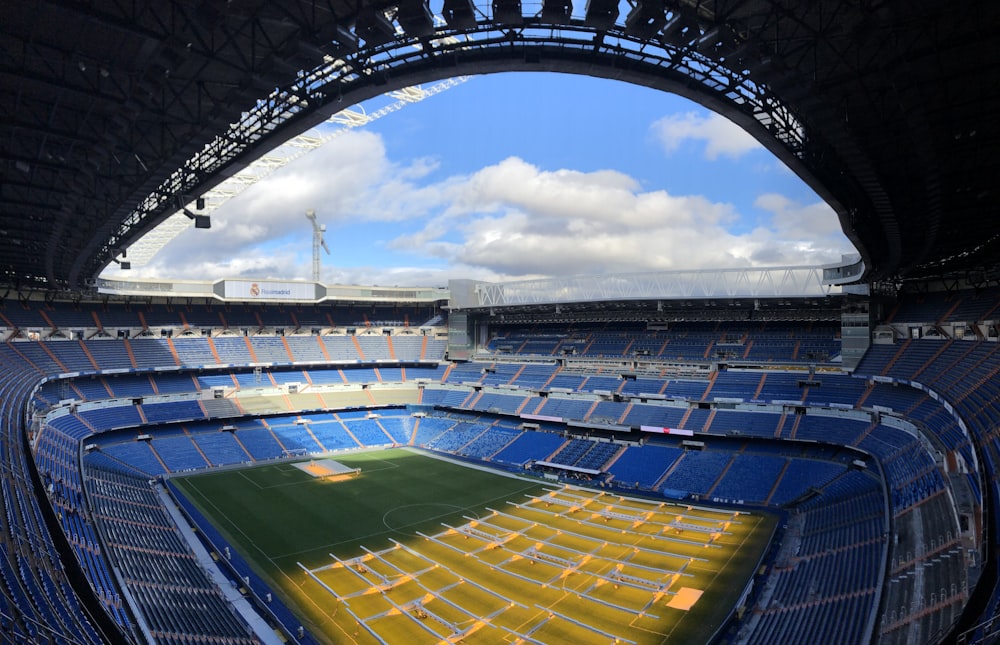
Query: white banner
{"points": [[269, 290], [686, 433]]}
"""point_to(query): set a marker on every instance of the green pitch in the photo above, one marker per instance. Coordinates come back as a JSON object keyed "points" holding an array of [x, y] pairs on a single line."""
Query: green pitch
{"points": [[348, 556]]}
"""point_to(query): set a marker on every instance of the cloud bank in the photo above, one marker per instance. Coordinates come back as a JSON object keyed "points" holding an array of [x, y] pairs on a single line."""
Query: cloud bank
{"points": [[506, 221]]}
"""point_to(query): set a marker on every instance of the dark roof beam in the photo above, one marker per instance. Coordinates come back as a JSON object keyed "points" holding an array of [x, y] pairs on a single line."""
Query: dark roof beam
{"points": [[35, 163], [317, 21], [15, 224], [59, 69], [44, 133], [131, 19], [61, 86], [28, 182]]}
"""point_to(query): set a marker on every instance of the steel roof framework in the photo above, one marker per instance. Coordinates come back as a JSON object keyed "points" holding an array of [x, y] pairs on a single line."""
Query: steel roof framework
{"points": [[142, 251], [773, 282], [884, 107], [337, 82]]}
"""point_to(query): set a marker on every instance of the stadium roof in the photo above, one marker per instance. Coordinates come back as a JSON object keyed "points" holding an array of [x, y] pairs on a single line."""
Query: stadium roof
{"points": [[115, 114]]}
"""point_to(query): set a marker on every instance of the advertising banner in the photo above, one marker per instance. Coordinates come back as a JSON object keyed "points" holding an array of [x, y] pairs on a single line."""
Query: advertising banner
{"points": [[268, 290]]}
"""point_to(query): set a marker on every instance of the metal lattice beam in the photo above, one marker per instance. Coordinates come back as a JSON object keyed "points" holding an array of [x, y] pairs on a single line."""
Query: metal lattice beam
{"points": [[109, 110], [771, 282], [318, 93]]}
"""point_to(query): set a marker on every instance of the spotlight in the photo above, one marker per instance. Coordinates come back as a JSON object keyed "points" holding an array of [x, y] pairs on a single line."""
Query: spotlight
{"points": [[459, 14], [601, 14], [556, 12], [374, 28], [416, 19], [680, 30], [344, 39], [200, 221], [123, 264], [507, 12], [645, 19]]}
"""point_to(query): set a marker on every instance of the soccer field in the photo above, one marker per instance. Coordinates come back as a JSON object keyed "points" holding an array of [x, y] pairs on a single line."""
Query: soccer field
{"points": [[418, 549]]}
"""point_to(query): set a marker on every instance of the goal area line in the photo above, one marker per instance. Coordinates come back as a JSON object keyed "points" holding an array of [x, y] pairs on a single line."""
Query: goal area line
{"points": [[327, 469]]}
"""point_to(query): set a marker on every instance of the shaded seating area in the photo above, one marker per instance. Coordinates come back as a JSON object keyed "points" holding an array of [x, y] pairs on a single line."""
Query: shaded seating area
{"points": [[823, 584], [750, 475], [178, 600], [760, 341], [37, 596]]}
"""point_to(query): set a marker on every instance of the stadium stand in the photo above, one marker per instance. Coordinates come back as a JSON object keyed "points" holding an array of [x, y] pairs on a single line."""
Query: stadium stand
{"points": [[174, 594], [885, 473], [768, 473], [820, 586]]}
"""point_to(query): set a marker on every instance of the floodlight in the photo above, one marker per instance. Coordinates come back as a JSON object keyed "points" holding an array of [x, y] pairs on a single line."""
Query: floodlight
{"points": [[344, 39], [680, 30], [459, 14], [123, 264], [374, 28], [507, 12], [200, 221], [416, 19], [556, 12], [601, 14], [646, 19]]}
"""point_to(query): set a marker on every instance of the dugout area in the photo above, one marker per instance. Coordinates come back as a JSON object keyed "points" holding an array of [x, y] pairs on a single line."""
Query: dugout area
{"points": [[417, 549]]}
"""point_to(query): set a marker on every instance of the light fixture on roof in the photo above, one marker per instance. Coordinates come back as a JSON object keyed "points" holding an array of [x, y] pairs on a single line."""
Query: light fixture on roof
{"points": [[507, 12], [124, 264], [645, 19], [200, 221], [601, 14], [557, 11], [459, 14], [416, 19], [374, 27]]}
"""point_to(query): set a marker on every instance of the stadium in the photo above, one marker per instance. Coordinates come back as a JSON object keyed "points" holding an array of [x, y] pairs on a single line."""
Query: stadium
{"points": [[755, 455]]}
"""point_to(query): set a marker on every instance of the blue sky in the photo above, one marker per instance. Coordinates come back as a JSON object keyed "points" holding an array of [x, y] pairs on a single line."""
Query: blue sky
{"points": [[516, 176]]}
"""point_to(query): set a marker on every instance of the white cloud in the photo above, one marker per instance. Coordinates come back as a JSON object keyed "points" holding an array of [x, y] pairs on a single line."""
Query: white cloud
{"points": [[721, 137], [347, 180], [508, 220], [516, 220], [799, 220]]}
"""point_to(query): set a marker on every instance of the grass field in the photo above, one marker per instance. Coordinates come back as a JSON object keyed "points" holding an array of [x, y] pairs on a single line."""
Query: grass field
{"points": [[417, 549]]}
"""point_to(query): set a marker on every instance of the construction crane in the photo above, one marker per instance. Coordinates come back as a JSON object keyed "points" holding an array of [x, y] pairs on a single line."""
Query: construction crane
{"points": [[318, 241]]}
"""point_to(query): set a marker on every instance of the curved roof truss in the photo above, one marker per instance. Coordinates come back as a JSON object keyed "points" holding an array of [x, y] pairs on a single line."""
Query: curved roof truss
{"points": [[338, 84], [884, 108]]}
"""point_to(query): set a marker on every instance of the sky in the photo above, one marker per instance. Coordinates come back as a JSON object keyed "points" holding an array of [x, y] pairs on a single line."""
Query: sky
{"points": [[518, 176]]}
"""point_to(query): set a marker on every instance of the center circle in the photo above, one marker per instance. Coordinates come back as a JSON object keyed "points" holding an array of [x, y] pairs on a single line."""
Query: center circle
{"points": [[399, 518]]}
